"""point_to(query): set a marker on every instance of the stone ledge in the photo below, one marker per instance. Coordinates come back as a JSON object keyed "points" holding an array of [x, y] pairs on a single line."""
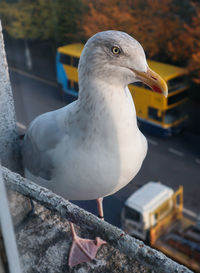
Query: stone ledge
{"points": [[44, 242], [134, 249], [20, 206]]}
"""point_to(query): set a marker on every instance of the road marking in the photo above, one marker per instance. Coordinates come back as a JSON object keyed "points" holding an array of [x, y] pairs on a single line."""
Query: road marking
{"points": [[153, 142], [189, 212], [197, 160], [176, 152], [33, 77], [21, 126]]}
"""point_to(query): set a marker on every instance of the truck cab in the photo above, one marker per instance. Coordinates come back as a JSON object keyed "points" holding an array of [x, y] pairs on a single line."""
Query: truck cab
{"points": [[137, 215]]}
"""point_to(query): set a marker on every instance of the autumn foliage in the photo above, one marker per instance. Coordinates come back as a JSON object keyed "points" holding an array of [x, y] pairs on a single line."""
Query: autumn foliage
{"points": [[104, 15], [169, 30], [149, 21], [42, 19], [193, 42]]}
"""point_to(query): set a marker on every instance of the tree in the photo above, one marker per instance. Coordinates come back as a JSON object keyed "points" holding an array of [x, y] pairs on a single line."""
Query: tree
{"points": [[157, 24], [42, 19], [105, 15], [152, 22], [168, 30], [27, 20], [193, 42]]}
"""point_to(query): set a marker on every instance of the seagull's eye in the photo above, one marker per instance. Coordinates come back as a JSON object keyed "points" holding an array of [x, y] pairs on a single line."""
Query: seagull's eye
{"points": [[115, 50]]}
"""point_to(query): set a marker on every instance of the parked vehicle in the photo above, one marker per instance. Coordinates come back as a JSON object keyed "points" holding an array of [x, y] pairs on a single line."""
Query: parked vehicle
{"points": [[156, 114], [154, 214]]}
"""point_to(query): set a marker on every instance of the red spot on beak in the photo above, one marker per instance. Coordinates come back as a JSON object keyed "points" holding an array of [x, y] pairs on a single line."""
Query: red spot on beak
{"points": [[156, 89]]}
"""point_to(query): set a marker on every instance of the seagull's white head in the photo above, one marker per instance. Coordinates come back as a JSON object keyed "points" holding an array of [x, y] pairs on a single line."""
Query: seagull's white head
{"points": [[114, 56]]}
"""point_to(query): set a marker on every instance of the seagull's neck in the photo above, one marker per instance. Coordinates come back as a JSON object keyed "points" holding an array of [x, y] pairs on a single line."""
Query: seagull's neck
{"points": [[99, 93], [97, 89], [101, 101]]}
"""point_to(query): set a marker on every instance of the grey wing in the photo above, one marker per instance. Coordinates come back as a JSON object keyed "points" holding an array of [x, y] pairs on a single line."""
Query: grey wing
{"points": [[42, 136]]}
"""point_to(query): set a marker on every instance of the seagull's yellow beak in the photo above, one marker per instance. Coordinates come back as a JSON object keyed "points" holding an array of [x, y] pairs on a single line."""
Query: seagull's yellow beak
{"points": [[153, 80]]}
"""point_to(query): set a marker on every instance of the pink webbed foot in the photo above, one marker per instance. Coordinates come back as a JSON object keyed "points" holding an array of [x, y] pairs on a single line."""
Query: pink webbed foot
{"points": [[83, 250]]}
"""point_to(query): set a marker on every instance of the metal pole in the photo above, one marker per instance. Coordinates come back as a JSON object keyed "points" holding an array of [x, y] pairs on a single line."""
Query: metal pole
{"points": [[8, 231]]}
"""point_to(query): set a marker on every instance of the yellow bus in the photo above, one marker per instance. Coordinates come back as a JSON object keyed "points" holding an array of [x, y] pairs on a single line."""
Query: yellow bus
{"points": [[156, 114]]}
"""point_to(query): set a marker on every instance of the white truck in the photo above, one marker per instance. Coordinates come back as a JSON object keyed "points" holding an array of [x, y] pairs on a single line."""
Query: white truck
{"points": [[154, 214]]}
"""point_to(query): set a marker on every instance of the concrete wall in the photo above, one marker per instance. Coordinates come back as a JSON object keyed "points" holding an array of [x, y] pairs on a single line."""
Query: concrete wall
{"points": [[9, 141]]}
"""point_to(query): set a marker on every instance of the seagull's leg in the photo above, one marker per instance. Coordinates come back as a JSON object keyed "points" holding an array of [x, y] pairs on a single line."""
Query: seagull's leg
{"points": [[100, 210], [82, 250], [100, 207]]}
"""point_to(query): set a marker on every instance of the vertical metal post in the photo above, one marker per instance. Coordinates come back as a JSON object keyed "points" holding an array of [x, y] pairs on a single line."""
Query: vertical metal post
{"points": [[8, 231]]}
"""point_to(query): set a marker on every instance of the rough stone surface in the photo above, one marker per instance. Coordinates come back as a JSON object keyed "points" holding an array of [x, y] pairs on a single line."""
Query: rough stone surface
{"points": [[9, 143], [20, 206], [133, 248], [44, 243]]}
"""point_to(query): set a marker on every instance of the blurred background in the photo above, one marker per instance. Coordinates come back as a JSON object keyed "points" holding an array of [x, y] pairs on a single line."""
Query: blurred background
{"points": [[169, 31]]}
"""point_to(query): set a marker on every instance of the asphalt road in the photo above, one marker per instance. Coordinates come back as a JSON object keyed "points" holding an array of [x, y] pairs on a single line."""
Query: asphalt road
{"points": [[174, 161]]}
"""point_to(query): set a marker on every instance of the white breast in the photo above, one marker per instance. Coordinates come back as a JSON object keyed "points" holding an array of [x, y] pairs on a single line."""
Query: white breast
{"points": [[104, 160], [102, 153]]}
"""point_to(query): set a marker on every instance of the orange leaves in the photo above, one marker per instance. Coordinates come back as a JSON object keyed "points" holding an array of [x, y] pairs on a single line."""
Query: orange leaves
{"points": [[192, 33], [194, 67], [149, 21], [104, 15], [168, 30], [156, 25]]}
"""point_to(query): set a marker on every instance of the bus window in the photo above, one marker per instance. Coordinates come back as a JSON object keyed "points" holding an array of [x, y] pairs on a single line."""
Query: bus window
{"points": [[174, 114], [132, 214], [65, 59], [153, 113], [75, 61], [147, 87], [177, 83], [76, 86], [139, 84], [177, 97]]}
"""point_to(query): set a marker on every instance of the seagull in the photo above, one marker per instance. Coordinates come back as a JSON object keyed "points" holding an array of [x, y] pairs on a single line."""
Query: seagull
{"points": [[92, 147]]}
